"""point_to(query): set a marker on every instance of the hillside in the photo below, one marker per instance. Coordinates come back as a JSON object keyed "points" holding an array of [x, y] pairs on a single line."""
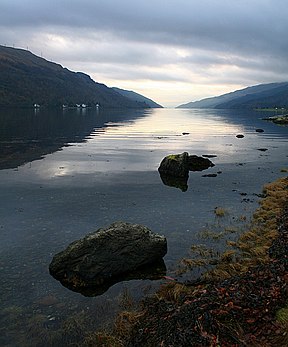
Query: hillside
{"points": [[26, 79], [137, 97], [259, 96]]}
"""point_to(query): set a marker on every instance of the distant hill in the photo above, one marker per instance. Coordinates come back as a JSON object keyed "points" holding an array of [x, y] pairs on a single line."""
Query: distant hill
{"points": [[26, 79], [259, 96], [137, 97]]}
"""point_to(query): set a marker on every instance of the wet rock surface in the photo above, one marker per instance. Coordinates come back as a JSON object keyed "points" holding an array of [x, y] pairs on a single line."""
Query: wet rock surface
{"points": [[103, 257], [196, 163], [175, 165], [174, 169]]}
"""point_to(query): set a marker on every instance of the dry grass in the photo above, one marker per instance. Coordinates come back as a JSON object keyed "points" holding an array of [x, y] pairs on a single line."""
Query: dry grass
{"points": [[209, 234], [173, 292], [125, 322], [250, 250], [126, 300], [252, 246], [101, 339], [228, 256], [194, 262], [203, 251], [220, 211]]}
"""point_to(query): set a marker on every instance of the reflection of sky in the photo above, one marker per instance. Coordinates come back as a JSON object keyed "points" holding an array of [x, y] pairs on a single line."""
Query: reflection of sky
{"points": [[141, 144]]}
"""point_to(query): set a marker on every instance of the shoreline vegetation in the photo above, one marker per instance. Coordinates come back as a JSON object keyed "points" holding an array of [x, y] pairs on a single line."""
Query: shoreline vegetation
{"points": [[242, 301]]}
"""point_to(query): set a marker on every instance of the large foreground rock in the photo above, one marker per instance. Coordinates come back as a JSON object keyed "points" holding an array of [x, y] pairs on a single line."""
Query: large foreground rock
{"points": [[105, 256]]}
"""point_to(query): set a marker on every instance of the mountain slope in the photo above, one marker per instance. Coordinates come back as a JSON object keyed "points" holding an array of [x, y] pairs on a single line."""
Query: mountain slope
{"points": [[262, 95], [137, 97], [26, 79]]}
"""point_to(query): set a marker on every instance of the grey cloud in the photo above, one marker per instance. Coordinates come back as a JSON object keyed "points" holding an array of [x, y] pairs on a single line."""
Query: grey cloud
{"points": [[232, 25], [130, 38], [124, 72]]}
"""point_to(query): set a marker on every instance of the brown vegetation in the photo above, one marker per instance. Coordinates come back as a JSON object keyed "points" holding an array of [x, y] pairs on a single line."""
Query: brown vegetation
{"points": [[240, 302]]}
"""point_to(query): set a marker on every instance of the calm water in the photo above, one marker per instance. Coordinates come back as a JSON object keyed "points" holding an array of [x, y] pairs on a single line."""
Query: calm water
{"points": [[66, 173]]}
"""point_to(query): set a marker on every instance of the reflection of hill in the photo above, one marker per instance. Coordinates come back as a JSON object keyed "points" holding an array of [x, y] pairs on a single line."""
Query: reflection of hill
{"points": [[27, 135], [248, 120]]}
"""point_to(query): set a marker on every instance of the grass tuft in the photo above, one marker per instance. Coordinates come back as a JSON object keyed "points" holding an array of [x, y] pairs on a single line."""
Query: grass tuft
{"points": [[220, 211]]}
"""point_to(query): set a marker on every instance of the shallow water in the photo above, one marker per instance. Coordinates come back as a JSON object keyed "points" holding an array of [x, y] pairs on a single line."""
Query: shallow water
{"points": [[66, 173]]}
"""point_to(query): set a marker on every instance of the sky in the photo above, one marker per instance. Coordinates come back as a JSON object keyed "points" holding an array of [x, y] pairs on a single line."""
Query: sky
{"points": [[172, 51]]}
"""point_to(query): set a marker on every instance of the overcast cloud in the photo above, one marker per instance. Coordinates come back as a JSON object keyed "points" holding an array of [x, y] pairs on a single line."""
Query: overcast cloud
{"points": [[171, 51]]}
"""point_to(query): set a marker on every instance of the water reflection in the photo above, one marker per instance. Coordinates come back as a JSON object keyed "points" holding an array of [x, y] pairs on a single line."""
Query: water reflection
{"points": [[111, 141], [174, 169], [176, 182], [109, 173], [27, 135], [154, 271]]}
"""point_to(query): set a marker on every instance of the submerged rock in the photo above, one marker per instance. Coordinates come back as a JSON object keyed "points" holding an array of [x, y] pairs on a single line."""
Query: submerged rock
{"points": [[105, 256], [262, 149]]}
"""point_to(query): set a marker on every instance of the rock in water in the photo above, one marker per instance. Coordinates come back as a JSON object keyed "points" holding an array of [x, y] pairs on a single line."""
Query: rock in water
{"points": [[175, 165], [174, 169], [196, 163], [106, 254]]}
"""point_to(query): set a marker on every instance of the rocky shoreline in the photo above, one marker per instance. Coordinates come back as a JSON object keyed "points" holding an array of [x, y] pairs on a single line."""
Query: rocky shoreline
{"points": [[247, 308], [280, 120]]}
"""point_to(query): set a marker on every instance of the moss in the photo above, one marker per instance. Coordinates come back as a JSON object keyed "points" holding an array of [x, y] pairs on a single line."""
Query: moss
{"points": [[173, 157], [282, 315], [282, 320]]}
